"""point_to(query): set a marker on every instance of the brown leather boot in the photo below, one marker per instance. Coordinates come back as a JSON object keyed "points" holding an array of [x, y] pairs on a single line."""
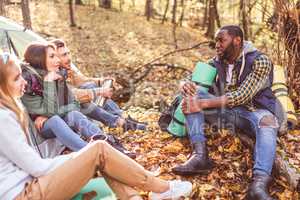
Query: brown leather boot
{"points": [[198, 163], [258, 189]]}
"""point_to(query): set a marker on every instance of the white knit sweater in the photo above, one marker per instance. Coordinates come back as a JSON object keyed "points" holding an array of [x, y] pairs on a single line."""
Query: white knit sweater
{"points": [[19, 162]]}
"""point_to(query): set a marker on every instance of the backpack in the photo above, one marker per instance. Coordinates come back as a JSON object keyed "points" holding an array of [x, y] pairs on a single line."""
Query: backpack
{"points": [[167, 115]]}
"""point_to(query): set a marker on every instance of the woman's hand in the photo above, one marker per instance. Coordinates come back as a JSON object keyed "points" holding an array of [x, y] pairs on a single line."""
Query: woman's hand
{"points": [[39, 122], [52, 76]]}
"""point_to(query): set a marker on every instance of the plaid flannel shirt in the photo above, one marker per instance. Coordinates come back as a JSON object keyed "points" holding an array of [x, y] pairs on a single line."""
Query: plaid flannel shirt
{"points": [[253, 83]]}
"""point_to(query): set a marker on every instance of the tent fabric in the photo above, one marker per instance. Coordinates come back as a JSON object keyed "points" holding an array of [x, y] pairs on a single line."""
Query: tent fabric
{"points": [[14, 38]]}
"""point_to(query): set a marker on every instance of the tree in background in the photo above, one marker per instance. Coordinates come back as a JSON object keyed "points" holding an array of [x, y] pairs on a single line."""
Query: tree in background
{"points": [[149, 9], [213, 18], [244, 22], [72, 12], [205, 17], [78, 2], [182, 12], [174, 10], [2, 8], [26, 14], [105, 3], [166, 11]]}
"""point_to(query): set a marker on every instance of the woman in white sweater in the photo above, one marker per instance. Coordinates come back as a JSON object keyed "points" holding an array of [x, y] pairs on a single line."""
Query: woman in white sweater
{"points": [[25, 175]]}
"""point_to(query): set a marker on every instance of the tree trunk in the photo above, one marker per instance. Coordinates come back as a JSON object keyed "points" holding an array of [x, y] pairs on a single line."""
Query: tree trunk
{"points": [[78, 2], [243, 19], [2, 8], [211, 20], [182, 12], [204, 23], [121, 2], [166, 11], [148, 9], [174, 11], [217, 13], [26, 14], [72, 11], [105, 4]]}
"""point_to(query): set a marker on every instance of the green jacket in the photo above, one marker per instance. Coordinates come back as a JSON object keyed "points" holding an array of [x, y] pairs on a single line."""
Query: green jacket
{"points": [[41, 98]]}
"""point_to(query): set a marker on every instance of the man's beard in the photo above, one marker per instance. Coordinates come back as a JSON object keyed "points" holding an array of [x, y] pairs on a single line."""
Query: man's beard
{"points": [[228, 52]]}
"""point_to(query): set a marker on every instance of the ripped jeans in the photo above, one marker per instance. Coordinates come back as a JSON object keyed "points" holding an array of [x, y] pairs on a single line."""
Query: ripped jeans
{"points": [[260, 124]]}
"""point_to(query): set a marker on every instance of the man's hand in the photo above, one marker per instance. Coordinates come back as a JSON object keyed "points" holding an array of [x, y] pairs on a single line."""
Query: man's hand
{"points": [[39, 122], [102, 79], [107, 92], [52, 76], [188, 89], [191, 105]]}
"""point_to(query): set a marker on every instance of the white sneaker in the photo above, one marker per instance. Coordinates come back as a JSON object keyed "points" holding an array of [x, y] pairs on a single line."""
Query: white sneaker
{"points": [[177, 189]]}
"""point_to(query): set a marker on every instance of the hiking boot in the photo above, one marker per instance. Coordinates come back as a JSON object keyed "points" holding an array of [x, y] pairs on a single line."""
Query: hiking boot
{"points": [[198, 163], [132, 124], [258, 189], [115, 142]]}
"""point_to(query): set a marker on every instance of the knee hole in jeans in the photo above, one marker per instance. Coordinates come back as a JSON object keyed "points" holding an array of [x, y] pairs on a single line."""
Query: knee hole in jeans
{"points": [[268, 121]]}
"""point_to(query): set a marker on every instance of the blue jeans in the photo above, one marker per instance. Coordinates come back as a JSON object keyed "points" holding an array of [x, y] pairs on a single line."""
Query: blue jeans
{"points": [[108, 114], [66, 129], [252, 124]]}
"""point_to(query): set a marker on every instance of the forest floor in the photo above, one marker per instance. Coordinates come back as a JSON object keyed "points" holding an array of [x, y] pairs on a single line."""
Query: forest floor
{"points": [[109, 43]]}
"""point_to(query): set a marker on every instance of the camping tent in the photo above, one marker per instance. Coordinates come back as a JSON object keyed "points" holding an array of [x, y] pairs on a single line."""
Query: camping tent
{"points": [[14, 38]]}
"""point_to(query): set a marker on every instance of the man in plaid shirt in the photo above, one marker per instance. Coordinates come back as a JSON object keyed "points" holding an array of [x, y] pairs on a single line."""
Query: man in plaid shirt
{"points": [[242, 99]]}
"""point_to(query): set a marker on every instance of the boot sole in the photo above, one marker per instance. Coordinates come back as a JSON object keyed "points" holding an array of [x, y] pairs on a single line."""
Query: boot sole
{"points": [[195, 172], [189, 173]]}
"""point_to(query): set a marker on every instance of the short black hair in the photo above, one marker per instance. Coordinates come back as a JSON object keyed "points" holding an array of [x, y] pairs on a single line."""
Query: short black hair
{"points": [[234, 30]]}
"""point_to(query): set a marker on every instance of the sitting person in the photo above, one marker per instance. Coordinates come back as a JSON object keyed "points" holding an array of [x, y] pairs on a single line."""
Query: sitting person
{"points": [[25, 175], [110, 114], [47, 95], [247, 104]]}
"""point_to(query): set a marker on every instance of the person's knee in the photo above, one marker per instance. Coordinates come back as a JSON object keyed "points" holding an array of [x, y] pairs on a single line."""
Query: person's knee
{"points": [[268, 121], [75, 114], [103, 148], [102, 145], [54, 119]]}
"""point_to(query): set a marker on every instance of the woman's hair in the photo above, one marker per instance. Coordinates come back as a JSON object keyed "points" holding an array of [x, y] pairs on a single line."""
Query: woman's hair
{"points": [[6, 99], [36, 55]]}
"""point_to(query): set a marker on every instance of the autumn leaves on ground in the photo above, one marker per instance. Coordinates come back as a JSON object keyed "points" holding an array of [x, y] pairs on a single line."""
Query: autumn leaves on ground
{"points": [[110, 42]]}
